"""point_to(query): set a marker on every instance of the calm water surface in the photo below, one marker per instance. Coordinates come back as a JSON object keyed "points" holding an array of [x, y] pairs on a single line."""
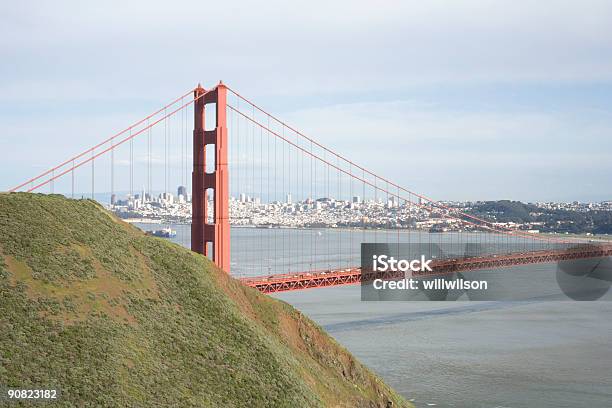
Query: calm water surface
{"points": [[446, 354]]}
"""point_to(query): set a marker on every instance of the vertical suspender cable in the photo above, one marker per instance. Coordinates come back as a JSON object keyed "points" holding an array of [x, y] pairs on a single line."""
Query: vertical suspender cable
{"points": [[165, 155], [112, 152], [183, 158], [261, 240], [268, 200], [131, 164], [72, 178], [92, 174]]}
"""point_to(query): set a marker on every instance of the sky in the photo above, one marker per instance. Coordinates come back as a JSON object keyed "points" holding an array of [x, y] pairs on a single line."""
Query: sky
{"points": [[462, 100]]}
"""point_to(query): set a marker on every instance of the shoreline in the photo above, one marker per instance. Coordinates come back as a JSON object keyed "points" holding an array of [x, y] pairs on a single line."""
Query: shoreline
{"points": [[348, 229]]}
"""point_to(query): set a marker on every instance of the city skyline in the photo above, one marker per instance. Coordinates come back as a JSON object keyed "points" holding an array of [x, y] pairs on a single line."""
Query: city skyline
{"points": [[372, 212], [290, 198]]}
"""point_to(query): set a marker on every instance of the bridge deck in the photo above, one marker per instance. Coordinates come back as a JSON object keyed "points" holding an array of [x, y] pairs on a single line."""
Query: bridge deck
{"points": [[354, 275]]}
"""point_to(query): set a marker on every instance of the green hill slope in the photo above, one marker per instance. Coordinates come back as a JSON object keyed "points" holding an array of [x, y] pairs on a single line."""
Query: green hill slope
{"points": [[112, 317]]}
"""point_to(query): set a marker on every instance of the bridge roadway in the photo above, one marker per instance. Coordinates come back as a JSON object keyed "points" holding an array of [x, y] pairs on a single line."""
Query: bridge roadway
{"points": [[354, 275]]}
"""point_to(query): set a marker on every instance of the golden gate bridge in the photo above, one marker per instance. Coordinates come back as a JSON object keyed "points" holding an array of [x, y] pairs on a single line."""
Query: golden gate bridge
{"points": [[238, 147]]}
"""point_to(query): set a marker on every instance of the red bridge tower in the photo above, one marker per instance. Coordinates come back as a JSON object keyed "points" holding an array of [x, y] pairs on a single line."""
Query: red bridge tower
{"points": [[216, 233]]}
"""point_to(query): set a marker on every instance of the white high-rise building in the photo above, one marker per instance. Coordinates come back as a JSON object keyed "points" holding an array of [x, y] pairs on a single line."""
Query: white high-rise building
{"points": [[289, 201]]}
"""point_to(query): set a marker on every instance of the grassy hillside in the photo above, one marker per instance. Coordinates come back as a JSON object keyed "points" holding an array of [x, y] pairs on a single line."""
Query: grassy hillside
{"points": [[112, 317]]}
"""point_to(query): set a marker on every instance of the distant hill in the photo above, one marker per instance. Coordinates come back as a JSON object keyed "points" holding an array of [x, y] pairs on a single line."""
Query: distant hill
{"points": [[112, 317], [506, 210], [549, 220]]}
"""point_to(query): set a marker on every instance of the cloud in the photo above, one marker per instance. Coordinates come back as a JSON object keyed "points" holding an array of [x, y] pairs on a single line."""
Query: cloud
{"points": [[124, 50], [466, 154], [351, 73]]}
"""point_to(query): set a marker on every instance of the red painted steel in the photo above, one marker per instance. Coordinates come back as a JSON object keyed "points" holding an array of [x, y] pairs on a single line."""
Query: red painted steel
{"points": [[218, 232], [102, 152], [318, 279], [102, 143], [494, 230], [490, 225], [199, 198]]}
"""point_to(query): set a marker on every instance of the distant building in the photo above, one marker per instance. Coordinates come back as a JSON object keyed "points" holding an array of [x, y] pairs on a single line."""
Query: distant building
{"points": [[182, 190], [113, 199], [289, 199], [166, 198], [356, 199]]}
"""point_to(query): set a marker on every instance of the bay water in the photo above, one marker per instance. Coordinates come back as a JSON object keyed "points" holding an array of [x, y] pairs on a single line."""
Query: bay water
{"points": [[442, 354]]}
